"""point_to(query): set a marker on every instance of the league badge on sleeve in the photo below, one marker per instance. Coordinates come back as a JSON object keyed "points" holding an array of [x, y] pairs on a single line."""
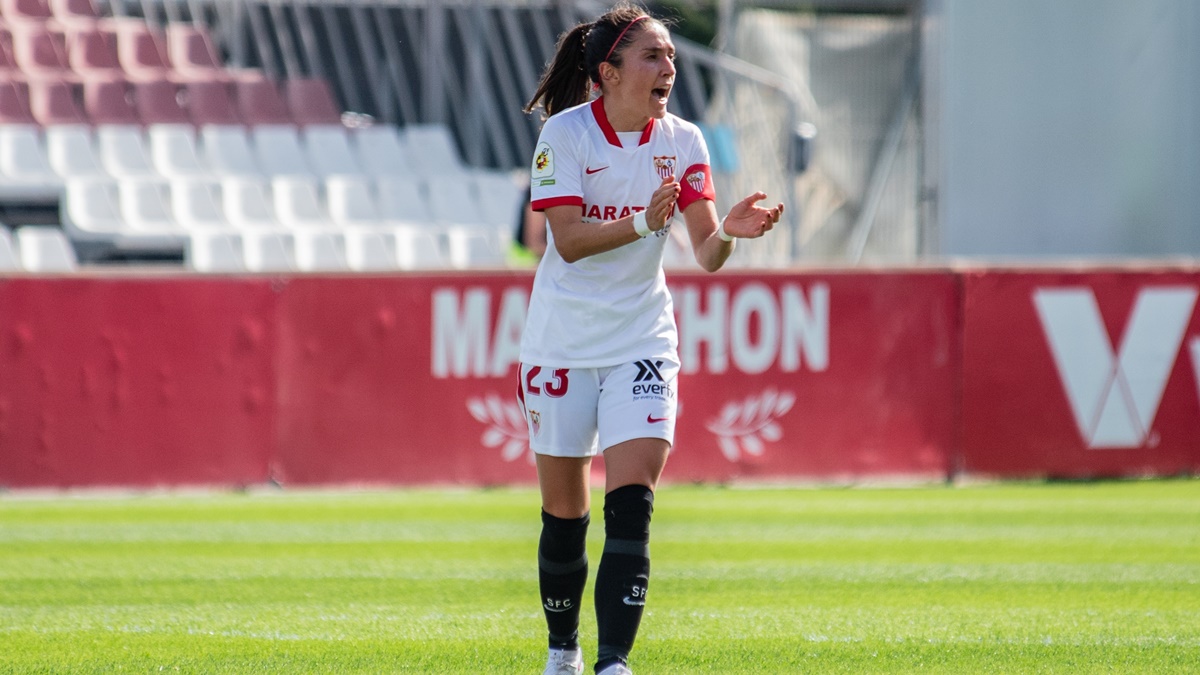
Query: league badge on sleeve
{"points": [[543, 163]]}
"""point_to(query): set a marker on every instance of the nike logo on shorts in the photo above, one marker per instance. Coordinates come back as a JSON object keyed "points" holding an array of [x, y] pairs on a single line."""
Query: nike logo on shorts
{"points": [[589, 171], [652, 419]]}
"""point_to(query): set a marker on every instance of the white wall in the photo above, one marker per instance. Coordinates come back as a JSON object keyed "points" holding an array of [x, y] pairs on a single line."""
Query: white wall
{"points": [[1066, 128]]}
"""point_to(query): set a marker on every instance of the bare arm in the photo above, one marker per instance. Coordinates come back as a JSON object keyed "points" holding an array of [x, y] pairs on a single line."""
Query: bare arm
{"points": [[576, 240], [746, 220]]}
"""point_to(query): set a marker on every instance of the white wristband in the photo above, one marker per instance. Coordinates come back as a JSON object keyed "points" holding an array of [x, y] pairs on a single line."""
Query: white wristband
{"points": [[721, 232], [640, 225]]}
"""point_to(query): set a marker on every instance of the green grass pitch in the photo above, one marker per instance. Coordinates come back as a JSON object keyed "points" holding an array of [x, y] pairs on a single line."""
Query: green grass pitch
{"points": [[995, 578]]}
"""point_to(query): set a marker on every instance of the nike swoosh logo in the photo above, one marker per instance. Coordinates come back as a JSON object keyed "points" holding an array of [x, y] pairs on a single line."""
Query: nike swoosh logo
{"points": [[634, 603], [652, 419], [589, 171]]}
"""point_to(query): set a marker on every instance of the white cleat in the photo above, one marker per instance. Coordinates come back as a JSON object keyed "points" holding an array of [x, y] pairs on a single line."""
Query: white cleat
{"points": [[617, 668], [564, 662]]}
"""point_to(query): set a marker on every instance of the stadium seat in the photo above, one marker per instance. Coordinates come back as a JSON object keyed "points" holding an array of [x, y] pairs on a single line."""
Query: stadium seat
{"points": [[227, 151], [25, 11], [371, 250], [157, 102], [351, 203], [499, 198], [109, 102], [246, 202], [278, 150], [269, 250], [38, 52], [380, 151], [123, 152], [9, 69], [435, 147], [54, 102], [210, 103], [72, 151], [173, 151], [196, 204], [145, 206], [310, 102], [297, 202], [91, 209], [471, 247], [452, 201], [93, 54], [45, 249], [14, 103], [191, 53], [25, 172], [141, 53], [74, 14], [215, 251], [417, 248], [329, 152], [402, 202], [320, 251], [9, 257], [260, 103]]}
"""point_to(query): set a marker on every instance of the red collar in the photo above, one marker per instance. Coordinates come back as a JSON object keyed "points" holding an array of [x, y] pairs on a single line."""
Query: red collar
{"points": [[609, 133]]}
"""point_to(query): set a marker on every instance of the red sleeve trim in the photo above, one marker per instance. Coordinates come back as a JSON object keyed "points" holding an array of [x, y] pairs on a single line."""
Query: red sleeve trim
{"points": [[695, 185], [569, 200]]}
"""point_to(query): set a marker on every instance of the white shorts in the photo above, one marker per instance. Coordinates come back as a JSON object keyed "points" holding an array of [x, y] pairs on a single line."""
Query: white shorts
{"points": [[577, 412]]}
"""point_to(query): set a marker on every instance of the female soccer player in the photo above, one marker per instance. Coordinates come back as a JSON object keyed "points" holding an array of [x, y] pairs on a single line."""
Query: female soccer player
{"points": [[598, 355]]}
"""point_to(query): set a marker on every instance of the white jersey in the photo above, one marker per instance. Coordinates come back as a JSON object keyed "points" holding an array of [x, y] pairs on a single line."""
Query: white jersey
{"points": [[613, 307]]}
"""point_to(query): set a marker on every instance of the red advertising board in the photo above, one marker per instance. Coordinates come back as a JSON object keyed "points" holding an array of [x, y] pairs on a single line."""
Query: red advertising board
{"points": [[1081, 374], [412, 380], [135, 382]]}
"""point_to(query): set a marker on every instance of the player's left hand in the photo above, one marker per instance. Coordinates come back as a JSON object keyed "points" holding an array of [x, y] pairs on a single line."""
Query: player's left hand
{"points": [[747, 220]]}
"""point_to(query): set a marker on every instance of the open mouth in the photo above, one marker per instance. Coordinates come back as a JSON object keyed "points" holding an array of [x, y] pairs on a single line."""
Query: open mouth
{"points": [[661, 92]]}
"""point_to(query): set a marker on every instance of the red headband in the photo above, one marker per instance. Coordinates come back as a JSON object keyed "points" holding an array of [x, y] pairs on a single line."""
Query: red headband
{"points": [[627, 27]]}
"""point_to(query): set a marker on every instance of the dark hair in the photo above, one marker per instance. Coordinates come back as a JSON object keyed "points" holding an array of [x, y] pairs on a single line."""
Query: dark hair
{"points": [[580, 51]]}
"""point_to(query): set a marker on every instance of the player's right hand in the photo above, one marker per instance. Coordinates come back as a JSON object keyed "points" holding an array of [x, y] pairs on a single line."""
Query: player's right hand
{"points": [[662, 203]]}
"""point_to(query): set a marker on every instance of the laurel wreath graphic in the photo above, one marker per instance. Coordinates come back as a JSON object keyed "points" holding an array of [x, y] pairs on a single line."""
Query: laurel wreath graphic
{"points": [[505, 425], [743, 427]]}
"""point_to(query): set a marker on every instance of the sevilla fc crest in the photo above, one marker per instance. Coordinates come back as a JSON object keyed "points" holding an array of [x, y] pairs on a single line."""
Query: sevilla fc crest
{"points": [[665, 166]]}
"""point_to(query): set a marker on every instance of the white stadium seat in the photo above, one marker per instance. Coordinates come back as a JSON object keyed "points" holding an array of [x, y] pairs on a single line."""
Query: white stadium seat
{"points": [[215, 251], [72, 152], [123, 153], [25, 172], [329, 152], [371, 249], [434, 147], [278, 150], [320, 251], [145, 206], [45, 249], [196, 204], [298, 203], [417, 248], [91, 206], [499, 198], [174, 152], [381, 153], [269, 250], [351, 202], [402, 201], [227, 151], [247, 203]]}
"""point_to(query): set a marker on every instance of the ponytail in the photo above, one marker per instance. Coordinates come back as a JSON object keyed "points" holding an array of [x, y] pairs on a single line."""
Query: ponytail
{"points": [[565, 82]]}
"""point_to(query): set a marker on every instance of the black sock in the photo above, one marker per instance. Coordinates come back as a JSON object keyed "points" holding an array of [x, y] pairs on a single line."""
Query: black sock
{"points": [[562, 574], [624, 572]]}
